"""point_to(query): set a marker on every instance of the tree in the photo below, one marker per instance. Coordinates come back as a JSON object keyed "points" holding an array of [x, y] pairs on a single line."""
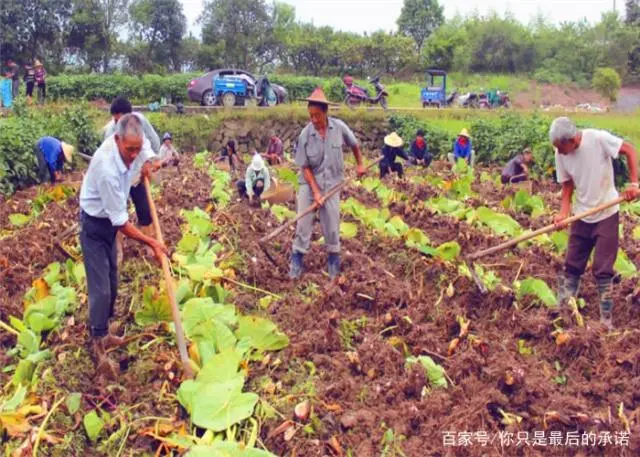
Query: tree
{"points": [[607, 82], [87, 38], [114, 18], [157, 27], [632, 12], [419, 19], [241, 27]]}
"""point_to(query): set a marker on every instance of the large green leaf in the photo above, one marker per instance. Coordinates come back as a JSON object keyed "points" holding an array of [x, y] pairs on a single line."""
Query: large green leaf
{"points": [[188, 243], [435, 373], [221, 405], [226, 449], [348, 230], [24, 373], [624, 266], [501, 224], [532, 205], [370, 183], [52, 273], [155, 308], [262, 334], [198, 311], [30, 341], [222, 367], [536, 288], [560, 240], [93, 425], [201, 272], [442, 205]]}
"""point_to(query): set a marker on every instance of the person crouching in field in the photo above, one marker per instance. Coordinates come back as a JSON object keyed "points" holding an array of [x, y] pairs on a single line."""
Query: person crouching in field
{"points": [[51, 154], [392, 148], [517, 169], [168, 155], [256, 180], [420, 154], [584, 166]]}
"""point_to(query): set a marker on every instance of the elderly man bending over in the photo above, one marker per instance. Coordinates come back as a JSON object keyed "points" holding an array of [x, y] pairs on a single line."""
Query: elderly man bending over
{"points": [[103, 213]]}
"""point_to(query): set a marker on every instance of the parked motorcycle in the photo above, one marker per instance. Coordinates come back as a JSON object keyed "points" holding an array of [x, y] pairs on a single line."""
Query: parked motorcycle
{"points": [[356, 95]]}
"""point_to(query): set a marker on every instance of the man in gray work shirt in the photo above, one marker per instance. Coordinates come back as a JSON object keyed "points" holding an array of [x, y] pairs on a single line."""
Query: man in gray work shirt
{"points": [[320, 158]]}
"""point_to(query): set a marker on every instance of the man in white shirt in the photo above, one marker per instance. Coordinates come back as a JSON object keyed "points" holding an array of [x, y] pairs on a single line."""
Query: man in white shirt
{"points": [[584, 165], [103, 213], [150, 147]]}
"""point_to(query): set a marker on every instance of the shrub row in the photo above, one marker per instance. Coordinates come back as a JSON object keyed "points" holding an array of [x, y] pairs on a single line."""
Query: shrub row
{"points": [[150, 88]]}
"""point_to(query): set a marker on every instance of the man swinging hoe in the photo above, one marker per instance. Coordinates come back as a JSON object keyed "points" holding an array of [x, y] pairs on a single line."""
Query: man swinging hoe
{"points": [[320, 158]]}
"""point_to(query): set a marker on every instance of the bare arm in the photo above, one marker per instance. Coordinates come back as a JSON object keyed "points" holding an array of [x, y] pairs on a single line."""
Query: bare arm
{"points": [[631, 192], [631, 154], [130, 231], [357, 153], [565, 205]]}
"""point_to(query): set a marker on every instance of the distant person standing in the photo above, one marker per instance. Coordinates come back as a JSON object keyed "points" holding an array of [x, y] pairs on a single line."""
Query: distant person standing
{"points": [[14, 76], [29, 80], [41, 81]]}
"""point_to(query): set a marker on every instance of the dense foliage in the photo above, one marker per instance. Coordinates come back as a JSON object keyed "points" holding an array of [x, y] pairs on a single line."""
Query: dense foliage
{"points": [[19, 134]]}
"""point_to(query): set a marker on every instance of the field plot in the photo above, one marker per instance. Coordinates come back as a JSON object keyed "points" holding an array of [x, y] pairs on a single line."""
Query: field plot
{"points": [[400, 356]]}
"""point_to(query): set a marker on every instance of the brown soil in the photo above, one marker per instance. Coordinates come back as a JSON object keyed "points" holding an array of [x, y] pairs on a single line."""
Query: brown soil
{"points": [[550, 95], [360, 387]]}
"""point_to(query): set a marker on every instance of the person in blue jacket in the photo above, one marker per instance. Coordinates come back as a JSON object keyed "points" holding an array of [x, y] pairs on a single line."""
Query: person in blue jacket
{"points": [[462, 148], [51, 153]]}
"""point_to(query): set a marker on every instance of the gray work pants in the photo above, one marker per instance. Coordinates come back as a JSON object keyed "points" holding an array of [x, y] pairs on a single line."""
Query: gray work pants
{"points": [[329, 221]]}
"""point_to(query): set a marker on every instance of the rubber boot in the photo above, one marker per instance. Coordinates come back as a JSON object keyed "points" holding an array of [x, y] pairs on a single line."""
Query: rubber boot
{"points": [[605, 289], [334, 264], [568, 286], [296, 265]]}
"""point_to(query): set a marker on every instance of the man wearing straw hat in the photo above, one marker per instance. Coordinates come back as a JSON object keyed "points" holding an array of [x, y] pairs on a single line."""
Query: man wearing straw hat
{"points": [[320, 158], [392, 148], [51, 153], [462, 149]]}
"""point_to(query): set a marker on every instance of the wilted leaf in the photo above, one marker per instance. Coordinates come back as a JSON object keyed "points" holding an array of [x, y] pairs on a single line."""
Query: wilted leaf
{"points": [[93, 425], [16, 399], [156, 308], [536, 288], [448, 251], [416, 238]]}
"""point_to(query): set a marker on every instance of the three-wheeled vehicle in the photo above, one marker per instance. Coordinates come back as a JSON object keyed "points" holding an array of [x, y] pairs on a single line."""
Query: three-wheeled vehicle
{"points": [[435, 94]]}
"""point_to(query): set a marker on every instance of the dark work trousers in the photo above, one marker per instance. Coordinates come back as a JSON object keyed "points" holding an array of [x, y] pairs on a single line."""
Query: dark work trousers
{"points": [[44, 174], [508, 179], [599, 236], [242, 188], [141, 202], [98, 243], [42, 93], [386, 168]]}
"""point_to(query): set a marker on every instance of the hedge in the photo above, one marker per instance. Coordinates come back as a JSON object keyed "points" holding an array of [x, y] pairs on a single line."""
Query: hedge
{"points": [[150, 88]]}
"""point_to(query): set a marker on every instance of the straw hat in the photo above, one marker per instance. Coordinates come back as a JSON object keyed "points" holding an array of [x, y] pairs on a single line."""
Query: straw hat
{"points": [[318, 96], [67, 150], [393, 140], [257, 163], [464, 132], [37, 63]]}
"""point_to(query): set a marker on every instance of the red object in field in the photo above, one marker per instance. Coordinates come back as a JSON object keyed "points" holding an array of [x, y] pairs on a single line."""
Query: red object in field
{"points": [[356, 91]]}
